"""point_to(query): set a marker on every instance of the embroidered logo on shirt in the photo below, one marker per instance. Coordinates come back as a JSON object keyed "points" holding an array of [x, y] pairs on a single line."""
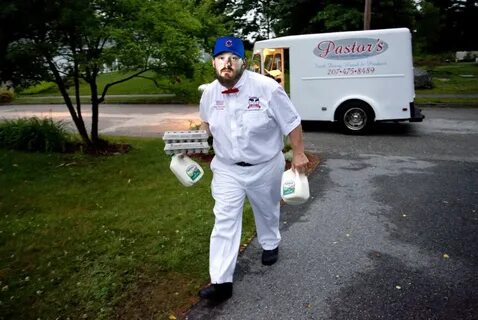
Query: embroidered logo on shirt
{"points": [[219, 105], [254, 103]]}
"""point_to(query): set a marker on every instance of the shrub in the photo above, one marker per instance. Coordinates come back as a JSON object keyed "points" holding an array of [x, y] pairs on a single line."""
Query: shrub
{"points": [[6, 95], [34, 134], [433, 60], [185, 89]]}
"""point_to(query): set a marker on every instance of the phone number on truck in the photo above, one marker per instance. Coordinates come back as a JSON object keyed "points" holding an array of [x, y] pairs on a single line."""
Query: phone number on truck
{"points": [[350, 71]]}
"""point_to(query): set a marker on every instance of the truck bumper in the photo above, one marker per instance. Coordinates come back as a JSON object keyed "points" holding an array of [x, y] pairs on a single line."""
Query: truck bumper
{"points": [[416, 114]]}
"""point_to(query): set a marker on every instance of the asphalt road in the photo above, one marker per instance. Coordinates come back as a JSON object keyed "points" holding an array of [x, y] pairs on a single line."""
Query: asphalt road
{"points": [[120, 120], [390, 233]]}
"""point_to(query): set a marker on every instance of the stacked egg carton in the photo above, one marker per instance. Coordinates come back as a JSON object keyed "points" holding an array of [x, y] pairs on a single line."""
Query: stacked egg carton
{"points": [[186, 142]]}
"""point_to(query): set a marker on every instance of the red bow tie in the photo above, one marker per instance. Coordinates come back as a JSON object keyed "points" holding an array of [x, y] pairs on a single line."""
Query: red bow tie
{"points": [[233, 90]]}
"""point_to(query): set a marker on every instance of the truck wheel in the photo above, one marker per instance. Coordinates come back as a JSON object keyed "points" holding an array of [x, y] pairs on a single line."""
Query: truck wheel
{"points": [[355, 118]]}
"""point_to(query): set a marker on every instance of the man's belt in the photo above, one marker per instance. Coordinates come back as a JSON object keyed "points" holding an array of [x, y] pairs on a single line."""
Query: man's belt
{"points": [[244, 164]]}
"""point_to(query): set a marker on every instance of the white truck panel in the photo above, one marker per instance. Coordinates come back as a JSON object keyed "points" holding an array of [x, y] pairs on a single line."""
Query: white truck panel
{"points": [[374, 66]]}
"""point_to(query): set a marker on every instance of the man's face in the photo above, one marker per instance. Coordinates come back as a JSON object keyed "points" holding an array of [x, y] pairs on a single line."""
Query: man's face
{"points": [[229, 68]]}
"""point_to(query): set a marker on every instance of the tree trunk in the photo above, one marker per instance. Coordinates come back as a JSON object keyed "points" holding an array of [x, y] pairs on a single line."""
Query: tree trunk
{"points": [[76, 79], [80, 125], [94, 111]]}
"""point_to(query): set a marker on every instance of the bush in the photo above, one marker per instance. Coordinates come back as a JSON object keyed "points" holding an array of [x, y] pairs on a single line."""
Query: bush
{"points": [[34, 134], [6, 95], [186, 90], [433, 60]]}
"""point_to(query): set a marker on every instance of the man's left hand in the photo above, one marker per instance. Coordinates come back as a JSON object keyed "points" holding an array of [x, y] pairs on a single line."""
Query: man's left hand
{"points": [[299, 162]]}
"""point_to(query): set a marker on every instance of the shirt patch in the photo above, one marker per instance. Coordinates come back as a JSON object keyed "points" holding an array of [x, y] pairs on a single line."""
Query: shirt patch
{"points": [[219, 105], [253, 103]]}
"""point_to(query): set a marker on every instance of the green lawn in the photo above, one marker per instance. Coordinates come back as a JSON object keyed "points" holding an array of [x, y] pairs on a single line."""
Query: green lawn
{"points": [[128, 99], [148, 88], [133, 86], [95, 237], [452, 78]]}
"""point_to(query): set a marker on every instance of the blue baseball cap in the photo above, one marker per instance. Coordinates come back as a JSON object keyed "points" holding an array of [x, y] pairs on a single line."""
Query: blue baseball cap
{"points": [[229, 44]]}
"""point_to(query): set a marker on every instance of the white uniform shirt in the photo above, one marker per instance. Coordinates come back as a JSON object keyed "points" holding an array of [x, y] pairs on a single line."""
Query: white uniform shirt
{"points": [[249, 125]]}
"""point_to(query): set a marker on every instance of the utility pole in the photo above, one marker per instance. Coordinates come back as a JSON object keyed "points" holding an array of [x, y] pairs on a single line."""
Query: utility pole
{"points": [[367, 14]]}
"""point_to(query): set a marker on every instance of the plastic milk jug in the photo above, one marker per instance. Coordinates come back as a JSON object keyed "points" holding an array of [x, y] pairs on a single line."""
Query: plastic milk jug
{"points": [[186, 170], [294, 187]]}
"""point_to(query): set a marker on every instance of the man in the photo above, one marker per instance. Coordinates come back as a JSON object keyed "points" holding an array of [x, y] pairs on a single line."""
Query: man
{"points": [[248, 115]]}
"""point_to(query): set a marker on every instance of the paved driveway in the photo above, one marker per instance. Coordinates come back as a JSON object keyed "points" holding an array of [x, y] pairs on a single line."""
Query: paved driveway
{"points": [[390, 233], [128, 120]]}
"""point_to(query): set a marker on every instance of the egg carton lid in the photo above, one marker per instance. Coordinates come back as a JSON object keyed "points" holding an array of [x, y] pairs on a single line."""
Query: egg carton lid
{"points": [[185, 135]]}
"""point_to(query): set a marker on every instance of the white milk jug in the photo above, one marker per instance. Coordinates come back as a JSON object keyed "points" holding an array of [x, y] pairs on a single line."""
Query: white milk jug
{"points": [[294, 187], [186, 170]]}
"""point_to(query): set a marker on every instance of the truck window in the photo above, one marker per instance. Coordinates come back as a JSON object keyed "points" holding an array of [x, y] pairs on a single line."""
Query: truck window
{"points": [[273, 64], [277, 62], [268, 62]]}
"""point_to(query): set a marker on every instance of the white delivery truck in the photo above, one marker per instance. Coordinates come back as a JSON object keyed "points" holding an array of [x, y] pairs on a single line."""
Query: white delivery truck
{"points": [[354, 77]]}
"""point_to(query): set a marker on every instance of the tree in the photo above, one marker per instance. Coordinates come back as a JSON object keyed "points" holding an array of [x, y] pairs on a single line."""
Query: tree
{"points": [[348, 15], [251, 19], [393, 14], [297, 17], [338, 17], [457, 23], [428, 27], [72, 40], [312, 16], [14, 23]]}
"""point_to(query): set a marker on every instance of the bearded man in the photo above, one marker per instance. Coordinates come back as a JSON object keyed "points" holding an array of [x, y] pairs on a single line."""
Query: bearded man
{"points": [[248, 115]]}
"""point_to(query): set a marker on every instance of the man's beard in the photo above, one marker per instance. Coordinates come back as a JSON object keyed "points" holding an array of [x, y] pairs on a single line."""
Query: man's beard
{"points": [[229, 82]]}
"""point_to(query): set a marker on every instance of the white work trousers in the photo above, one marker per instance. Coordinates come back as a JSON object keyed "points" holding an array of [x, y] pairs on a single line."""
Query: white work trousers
{"points": [[230, 184]]}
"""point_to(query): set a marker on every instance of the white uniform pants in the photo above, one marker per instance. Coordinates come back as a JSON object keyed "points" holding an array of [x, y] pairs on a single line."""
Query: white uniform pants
{"points": [[230, 185]]}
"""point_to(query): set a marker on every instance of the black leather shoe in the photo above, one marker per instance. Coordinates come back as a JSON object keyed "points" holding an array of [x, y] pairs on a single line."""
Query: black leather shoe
{"points": [[269, 257], [217, 292]]}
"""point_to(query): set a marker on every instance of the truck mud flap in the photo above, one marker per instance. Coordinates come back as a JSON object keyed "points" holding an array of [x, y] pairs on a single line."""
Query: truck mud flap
{"points": [[416, 113]]}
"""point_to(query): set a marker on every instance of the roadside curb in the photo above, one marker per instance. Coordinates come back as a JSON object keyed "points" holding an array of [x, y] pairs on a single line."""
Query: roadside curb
{"points": [[447, 105]]}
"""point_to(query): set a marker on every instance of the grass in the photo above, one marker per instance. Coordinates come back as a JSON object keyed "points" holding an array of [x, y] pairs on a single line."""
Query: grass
{"points": [[452, 78], [99, 237], [136, 90], [135, 85], [133, 99], [449, 78]]}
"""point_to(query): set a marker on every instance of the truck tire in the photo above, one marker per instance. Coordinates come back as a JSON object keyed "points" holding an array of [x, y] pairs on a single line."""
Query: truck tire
{"points": [[355, 117]]}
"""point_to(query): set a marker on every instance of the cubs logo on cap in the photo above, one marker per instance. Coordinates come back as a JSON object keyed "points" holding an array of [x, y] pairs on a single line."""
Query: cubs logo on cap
{"points": [[229, 44]]}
